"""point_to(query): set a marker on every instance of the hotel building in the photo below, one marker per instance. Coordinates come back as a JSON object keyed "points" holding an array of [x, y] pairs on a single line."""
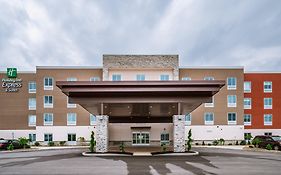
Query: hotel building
{"points": [[139, 100]]}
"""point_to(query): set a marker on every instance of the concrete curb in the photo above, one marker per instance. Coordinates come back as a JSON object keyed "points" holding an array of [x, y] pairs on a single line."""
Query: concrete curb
{"points": [[32, 149], [105, 155], [178, 154], [126, 155]]}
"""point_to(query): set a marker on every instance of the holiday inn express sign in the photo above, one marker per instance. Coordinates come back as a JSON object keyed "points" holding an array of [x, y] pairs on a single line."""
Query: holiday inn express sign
{"points": [[12, 83]]}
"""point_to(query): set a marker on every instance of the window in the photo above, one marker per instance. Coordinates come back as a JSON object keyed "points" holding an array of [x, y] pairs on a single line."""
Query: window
{"points": [[188, 119], [48, 119], [32, 103], [164, 137], [247, 103], [32, 137], [267, 86], [164, 77], [231, 83], [231, 101], [32, 87], [71, 137], [267, 119], [93, 119], [231, 118], [209, 78], [116, 77], [48, 137], [71, 118], [32, 120], [71, 79], [95, 79], [247, 87], [209, 118], [267, 103], [48, 101], [185, 78], [70, 105], [247, 119], [268, 133], [140, 77], [209, 105], [48, 83]]}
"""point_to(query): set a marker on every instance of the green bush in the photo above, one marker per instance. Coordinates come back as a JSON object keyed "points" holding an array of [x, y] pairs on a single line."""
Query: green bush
{"points": [[10, 147], [62, 143], [256, 142], [221, 141], [81, 139], [51, 143], [189, 140], [230, 144], [209, 144], [243, 142], [92, 142], [215, 142], [236, 143], [37, 144], [196, 143], [23, 142], [268, 147], [122, 147], [203, 143]]}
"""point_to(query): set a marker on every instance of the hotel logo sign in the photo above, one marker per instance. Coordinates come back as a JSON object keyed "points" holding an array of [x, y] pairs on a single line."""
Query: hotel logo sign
{"points": [[12, 83]]}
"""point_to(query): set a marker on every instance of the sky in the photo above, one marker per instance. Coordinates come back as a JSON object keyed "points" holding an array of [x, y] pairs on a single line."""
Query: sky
{"points": [[202, 32]]}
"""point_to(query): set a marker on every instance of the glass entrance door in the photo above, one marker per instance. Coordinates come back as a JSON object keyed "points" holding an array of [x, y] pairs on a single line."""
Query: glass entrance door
{"points": [[140, 138]]}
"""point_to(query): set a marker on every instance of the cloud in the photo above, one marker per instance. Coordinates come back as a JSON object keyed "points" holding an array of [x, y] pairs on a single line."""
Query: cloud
{"points": [[216, 33]]}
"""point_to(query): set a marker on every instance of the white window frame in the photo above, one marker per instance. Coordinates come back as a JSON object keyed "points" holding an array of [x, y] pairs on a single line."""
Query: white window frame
{"points": [[267, 106], [32, 137], [70, 105], [186, 78], [210, 105], [93, 122], [71, 79], [209, 78], [48, 137], [140, 77], [164, 77], [248, 106], [267, 123], [209, 122], [30, 102], [70, 122], [231, 87], [247, 90], [250, 122], [95, 79], [266, 83], [115, 77], [48, 123], [31, 84], [231, 105], [230, 122], [31, 123], [48, 105], [187, 122], [48, 87]]}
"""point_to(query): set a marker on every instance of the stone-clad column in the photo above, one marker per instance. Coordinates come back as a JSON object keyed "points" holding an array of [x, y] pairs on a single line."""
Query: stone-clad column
{"points": [[179, 133], [102, 133]]}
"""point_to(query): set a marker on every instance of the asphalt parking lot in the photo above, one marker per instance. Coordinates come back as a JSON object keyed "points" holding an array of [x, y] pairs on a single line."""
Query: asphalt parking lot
{"points": [[210, 161]]}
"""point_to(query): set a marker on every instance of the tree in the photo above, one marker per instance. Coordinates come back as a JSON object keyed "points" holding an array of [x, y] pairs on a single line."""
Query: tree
{"points": [[23, 142], [92, 142], [189, 140], [248, 137]]}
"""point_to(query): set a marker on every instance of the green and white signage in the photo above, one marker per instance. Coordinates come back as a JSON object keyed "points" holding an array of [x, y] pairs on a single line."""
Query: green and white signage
{"points": [[12, 83]]}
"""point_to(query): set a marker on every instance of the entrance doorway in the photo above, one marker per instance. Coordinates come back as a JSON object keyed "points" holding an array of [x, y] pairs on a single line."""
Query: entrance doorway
{"points": [[140, 138]]}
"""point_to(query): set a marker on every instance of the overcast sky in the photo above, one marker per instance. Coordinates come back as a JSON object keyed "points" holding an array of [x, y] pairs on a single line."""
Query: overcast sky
{"points": [[203, 33]]}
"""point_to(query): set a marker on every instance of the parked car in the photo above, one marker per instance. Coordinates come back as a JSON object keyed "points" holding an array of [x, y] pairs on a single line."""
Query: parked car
{"points": [[5, 143], [276, 138], [265, 140]]}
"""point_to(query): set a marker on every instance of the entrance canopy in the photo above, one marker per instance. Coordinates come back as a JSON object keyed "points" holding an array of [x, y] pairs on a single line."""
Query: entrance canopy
{"points": [[140, 100]]}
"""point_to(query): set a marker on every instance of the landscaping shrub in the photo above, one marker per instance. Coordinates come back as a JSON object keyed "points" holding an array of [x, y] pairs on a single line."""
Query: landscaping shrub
{"points": [[122, 147], [243, 142], [196, 143], [236, 142], [10, 147], [221, 141], [62, 143], [81, 139], [209, 144], [230, 144], [23, 142], [37, 144], [189, 141], [215, 142], [203, 143], [51, 143], [92, 142], [268, 147], [256, 142]]}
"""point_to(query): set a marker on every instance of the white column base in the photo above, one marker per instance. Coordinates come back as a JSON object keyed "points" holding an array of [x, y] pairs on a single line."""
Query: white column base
{"points": [[102, 134]]}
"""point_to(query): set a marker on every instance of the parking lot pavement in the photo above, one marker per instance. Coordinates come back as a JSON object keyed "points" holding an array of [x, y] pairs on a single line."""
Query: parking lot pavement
{"points": [[209, 161]]}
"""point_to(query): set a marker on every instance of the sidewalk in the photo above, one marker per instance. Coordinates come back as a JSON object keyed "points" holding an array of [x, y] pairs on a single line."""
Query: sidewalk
{"points": [[235, 147]]}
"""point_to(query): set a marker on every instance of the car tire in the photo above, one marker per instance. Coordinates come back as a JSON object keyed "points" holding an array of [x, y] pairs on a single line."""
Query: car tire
{"points": [[276, 148]]}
